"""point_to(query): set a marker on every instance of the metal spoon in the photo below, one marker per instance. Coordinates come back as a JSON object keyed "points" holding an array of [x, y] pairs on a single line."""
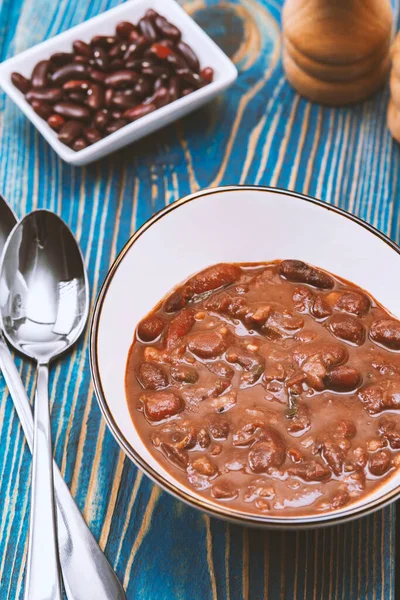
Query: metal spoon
{"points": [[87, 574]]}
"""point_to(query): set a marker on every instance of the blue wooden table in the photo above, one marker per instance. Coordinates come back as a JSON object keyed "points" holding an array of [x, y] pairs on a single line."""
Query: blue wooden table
{"points": [[259, 132]]}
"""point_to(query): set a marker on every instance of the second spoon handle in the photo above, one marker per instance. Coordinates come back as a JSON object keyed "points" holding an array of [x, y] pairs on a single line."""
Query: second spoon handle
{"points": [[86, 572], [42, 581]]}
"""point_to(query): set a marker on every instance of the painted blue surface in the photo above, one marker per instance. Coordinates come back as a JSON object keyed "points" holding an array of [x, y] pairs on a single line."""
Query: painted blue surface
{"points": [[259, 131]]}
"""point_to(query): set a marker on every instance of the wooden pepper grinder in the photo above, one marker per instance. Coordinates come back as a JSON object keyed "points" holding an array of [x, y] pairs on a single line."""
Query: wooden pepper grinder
{"points": [[393, 114], [337, 52]]}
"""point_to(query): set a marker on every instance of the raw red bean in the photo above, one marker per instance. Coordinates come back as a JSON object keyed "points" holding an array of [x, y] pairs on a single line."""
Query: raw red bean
{"points": [[156, 71], [100, 58], [118, 50], [84, 60], [61, 58], [147, 29], [193, 79], [143, 87], [82, 48], [68, 72], [151, 14], [189, 56], [95, 96], [187, 91], [79, 144], [104, 41], [21, 83], [96, 75], [134, 36], [124, 28], [43, 109], [141, 110], [69, 132], [115, 125], [174, 88], [92, 135], [40, 74], [56, 122], [101, 118], [117, 114], [122, 79], [207, 74], [160, 98], [50, 95], [117, 64], [108, 96], [71, 110], [136, 48], [79, 97], [77, 85], [124, 100], [167, 29]]}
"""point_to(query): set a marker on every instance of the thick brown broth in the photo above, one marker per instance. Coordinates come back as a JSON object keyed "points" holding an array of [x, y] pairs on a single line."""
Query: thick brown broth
{"points": [[274, 388]]}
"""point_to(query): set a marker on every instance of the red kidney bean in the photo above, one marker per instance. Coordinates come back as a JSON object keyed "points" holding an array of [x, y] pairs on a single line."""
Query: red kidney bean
{"points": [[50, 95], [83, 60], [103, 41], [141, 110], [147, 29], [108, 96], [268, 453], [122, 79], [156, 71], [160, 97], [118, 50], [117, 114], [124, 100], [187, 91], [79, 144], [207, 74], [71, 71], [56, 122], [189, 56], [348, 328], [69, 132], [101, 118], [92, 135], [40, 74], [136, 48], [342, 379], [21, 83], [174, 88], [387, 333], [124, 28], [115, 125], [43, 109], [151, 14], [298, 271], [61, 58], [159, 83], [117, 64], [82, 48], [193, 79], [71, 110], [77, 85], [96, 75], [380, 462], [134, 36], [95, 97], [143, 87], [100, 58], [77, 96], [150, 328], [167, 29]]}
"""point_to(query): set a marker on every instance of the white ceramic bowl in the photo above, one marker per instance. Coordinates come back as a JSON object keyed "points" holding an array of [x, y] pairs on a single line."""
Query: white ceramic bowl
{"points": [[104, 24], [232, 224]]}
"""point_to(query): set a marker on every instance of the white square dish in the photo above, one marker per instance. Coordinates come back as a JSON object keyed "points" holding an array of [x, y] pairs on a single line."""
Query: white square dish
{"points": [[208, 52]]}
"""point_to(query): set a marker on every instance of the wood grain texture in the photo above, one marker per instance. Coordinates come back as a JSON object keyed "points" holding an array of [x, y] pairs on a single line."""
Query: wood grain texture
{"points": [[260, 131]]}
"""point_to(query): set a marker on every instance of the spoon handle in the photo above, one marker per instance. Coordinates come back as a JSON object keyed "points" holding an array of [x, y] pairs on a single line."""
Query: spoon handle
{"points": [[86, 572]]}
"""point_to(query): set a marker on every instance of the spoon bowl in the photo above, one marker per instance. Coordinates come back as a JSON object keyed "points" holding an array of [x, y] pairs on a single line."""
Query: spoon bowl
{"points": [[46, 304]]}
